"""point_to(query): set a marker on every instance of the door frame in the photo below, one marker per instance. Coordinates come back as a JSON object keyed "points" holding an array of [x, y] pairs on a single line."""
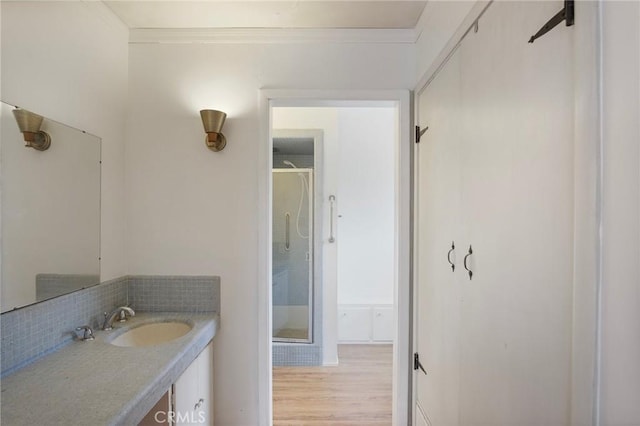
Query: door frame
{"points": [[402, 287]]}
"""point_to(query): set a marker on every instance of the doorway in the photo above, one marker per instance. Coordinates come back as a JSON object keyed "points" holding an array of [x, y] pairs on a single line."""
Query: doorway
{"points": [[399, 308]]}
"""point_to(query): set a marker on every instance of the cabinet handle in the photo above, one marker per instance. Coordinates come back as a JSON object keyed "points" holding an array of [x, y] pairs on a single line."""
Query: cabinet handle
{"points": [[453, 265], [199, 404], [465, 262]]}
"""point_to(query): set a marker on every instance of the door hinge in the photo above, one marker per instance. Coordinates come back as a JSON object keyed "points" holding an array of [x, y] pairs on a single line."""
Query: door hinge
{"points": [[416, 363], [419, 133]]}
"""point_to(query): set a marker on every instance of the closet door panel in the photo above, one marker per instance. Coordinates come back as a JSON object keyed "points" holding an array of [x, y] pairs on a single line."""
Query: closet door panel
{"points": [[517, 192], [438, 224]]}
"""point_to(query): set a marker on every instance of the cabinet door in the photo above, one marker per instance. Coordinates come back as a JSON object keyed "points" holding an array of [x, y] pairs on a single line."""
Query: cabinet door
{"points": [[159, 414], [205, 382], [194, 391], [517, 192], [354, 324], [382, 329], [437, 298], [186, 395]]}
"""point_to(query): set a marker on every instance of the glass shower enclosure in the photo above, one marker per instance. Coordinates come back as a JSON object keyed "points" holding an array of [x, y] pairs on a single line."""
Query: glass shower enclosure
{"points": [[292, 264]]}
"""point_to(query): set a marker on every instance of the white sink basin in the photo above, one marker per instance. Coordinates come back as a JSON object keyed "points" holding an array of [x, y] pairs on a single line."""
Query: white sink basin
{"points": [[152, 334]]}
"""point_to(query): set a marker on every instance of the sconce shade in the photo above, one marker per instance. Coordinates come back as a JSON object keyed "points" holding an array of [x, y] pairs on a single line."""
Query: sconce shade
{"points": [[28, 122], [29, 125], [213, 120]]}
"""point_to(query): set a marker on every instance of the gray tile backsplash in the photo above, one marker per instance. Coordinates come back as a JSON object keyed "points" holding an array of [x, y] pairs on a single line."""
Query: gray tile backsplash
{"points": [[29, 333], [34, 331], [181, 293]]}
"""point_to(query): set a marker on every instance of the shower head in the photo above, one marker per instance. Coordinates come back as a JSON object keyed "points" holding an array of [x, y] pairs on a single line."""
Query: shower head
{"points": [[289, 163]]}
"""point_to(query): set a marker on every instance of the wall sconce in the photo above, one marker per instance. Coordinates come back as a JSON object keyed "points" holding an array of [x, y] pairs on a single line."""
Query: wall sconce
{"points": [[213, 121], [29, 125]]}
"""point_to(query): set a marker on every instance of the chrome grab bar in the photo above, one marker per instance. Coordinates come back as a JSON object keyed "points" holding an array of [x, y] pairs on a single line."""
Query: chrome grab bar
{"points": [[332, 199], [287, 235]]}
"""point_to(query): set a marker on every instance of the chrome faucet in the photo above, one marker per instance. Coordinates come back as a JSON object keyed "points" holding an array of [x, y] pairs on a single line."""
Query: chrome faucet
{"points": [[117, 312]]}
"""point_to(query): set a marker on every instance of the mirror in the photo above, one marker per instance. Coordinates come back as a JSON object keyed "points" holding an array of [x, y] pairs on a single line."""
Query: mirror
{"points": [[50, 209]]}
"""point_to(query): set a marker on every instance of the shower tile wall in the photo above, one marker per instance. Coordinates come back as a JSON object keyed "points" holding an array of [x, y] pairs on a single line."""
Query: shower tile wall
{"points": [[292, 354]]}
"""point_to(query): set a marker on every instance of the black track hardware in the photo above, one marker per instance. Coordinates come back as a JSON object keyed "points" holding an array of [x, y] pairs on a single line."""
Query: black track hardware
{"points": [[566, 14]]}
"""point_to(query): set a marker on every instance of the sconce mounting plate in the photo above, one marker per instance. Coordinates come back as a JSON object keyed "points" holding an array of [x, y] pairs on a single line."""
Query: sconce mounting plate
{"points": [[42, 141], [219, 143]]}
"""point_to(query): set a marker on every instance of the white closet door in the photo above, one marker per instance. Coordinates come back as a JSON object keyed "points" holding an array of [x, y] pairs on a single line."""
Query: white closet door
{"points": [[495, 172], [517, 192], [437, 226]]}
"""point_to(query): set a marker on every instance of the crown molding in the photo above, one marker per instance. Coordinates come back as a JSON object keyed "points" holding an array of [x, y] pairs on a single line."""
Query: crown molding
{"points": [[270, 35]]}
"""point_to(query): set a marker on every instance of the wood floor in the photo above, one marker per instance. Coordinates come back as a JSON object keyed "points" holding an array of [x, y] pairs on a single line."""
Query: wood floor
{"points": [[356, 392]]}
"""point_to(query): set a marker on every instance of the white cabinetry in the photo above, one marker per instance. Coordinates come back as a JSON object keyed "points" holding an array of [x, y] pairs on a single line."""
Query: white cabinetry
{"points": [[365, 324], [193, 391], [354, 324], [382, 326]]}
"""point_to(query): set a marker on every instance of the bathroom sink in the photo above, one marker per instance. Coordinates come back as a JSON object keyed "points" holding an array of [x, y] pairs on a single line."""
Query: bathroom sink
{"points": [[152, 334]]}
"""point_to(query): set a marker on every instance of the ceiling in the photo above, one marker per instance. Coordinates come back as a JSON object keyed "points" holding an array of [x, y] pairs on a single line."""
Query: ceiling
{"points": [[335, 14]]}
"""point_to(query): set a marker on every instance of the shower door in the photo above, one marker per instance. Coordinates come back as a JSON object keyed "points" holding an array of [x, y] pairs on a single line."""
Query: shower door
{"points": [[292, 255]]}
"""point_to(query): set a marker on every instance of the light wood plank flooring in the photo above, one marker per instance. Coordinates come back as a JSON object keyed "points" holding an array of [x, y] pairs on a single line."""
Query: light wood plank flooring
{"points": [[356, 392]]}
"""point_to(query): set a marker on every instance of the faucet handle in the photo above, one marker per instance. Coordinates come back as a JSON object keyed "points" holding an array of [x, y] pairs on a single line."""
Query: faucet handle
{"points": [[106, 319], [122, 316], [88, 333]]}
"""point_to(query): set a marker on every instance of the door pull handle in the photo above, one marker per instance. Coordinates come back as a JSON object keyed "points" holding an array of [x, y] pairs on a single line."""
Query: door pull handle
{"points": [[465, 262], [453, 265]]}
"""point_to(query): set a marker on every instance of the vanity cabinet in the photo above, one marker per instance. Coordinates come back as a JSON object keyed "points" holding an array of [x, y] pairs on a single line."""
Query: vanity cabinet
{"points": [[158, 415], [193, 391], [189, 401]]}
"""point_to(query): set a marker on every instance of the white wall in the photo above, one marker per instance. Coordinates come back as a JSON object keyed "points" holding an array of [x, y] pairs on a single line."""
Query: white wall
{"points": [[366, 205], [620, 380], [68, 62], [193, 211]]}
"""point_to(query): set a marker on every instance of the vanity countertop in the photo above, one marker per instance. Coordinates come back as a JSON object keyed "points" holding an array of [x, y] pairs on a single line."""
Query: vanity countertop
{"points": [[97, 383]]}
